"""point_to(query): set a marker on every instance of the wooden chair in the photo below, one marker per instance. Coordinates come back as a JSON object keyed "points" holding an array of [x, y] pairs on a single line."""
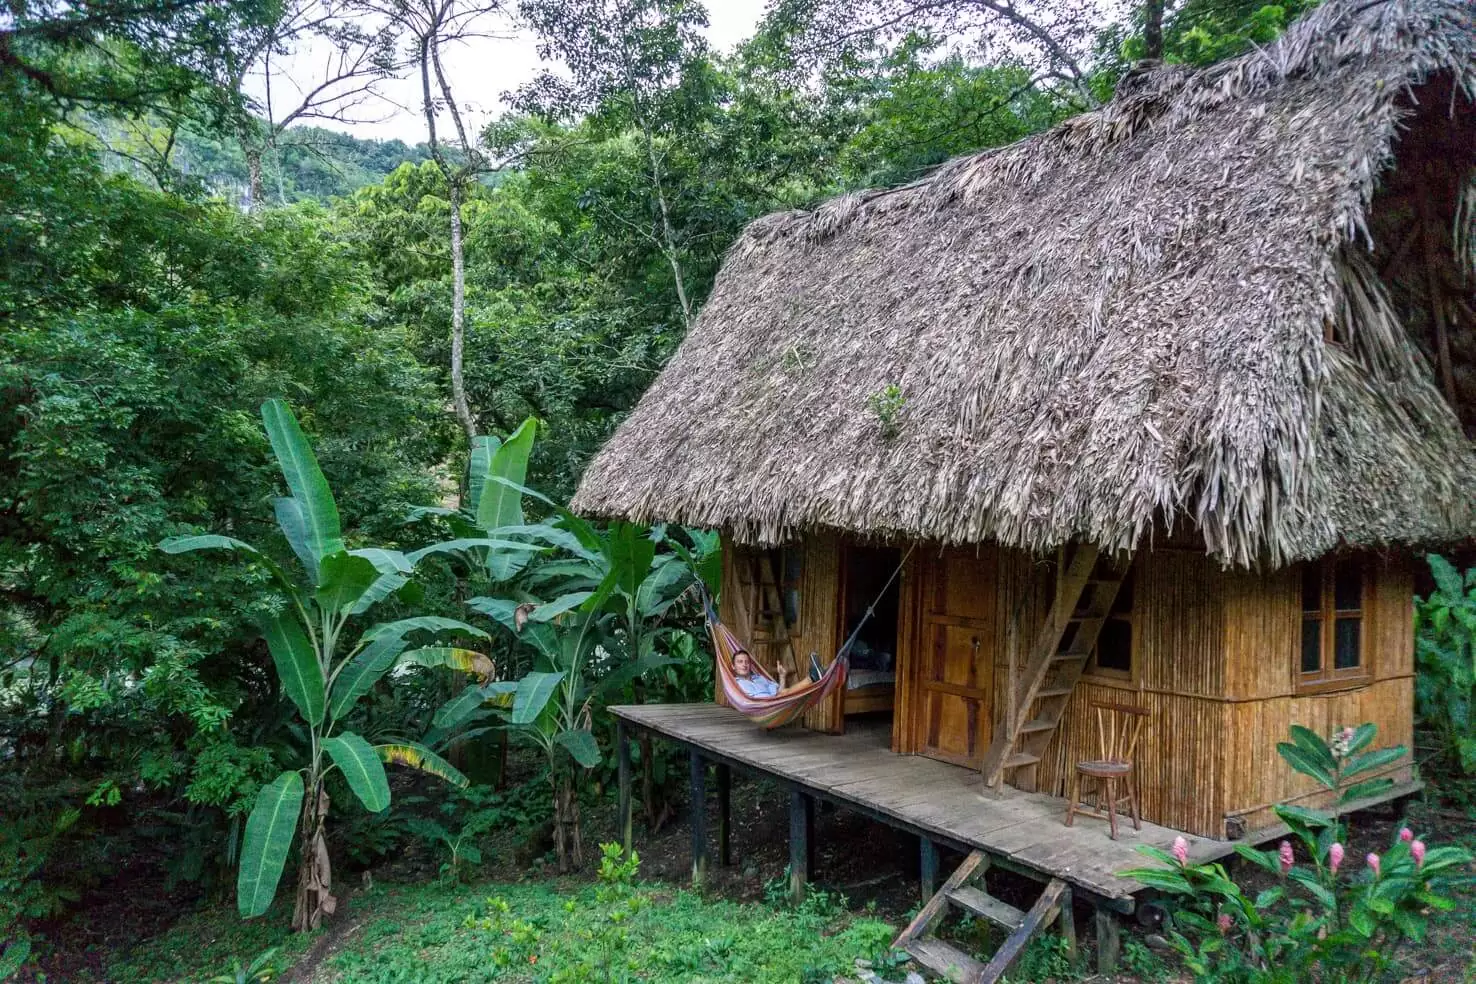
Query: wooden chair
{"points": [[1118, 727]]}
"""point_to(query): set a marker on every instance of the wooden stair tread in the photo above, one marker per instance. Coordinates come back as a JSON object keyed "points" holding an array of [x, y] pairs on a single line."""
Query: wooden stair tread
{"points": [[983, 904], [1054, 692], [945, 960], [1019, 759], [1039, 724]]}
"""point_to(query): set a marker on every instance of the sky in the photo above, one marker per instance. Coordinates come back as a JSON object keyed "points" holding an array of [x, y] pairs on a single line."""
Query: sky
{"points": [[480, 71]]}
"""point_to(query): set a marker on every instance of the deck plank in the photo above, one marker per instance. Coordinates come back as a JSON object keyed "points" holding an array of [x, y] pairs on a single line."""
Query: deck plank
{"points": [[922, 794]]}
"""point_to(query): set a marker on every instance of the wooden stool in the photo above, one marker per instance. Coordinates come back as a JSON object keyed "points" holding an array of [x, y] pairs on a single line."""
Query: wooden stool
{"points": [[1118, 727]]}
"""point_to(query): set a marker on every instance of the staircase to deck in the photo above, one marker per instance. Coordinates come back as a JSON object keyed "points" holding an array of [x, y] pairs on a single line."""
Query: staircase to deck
{"points": [[1084, 595], [965, 891]]}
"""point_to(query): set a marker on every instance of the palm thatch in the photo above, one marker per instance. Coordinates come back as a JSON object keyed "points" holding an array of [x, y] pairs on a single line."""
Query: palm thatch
{"points": [[1165, 311]]}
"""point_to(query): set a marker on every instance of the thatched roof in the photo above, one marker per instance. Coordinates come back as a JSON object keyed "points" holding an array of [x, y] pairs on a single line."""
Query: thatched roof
{"points": [[1115, 324]]}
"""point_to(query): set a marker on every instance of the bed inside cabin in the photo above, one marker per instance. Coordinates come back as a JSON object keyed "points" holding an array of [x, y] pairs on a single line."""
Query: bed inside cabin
{"points": [[864, 572]]}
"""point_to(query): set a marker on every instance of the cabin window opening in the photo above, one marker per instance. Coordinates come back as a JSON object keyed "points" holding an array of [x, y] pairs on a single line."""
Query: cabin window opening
{"points": [[867, 571], [1113, 654], [1332, 651]]}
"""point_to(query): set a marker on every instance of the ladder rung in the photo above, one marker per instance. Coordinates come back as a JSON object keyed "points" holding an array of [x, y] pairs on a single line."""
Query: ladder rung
{"points": [[983, 904], [1020, 759], [946, 961]]}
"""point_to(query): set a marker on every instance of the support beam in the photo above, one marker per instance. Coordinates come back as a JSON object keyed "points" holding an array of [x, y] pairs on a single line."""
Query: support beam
{"points": [[725, 819], [622, 752], [927, 867], [1109, 941], [801, 843], [698, 770]]}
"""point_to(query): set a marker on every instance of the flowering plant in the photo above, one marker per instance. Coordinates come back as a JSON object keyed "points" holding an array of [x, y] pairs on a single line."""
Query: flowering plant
{"points": [[1324, 919]]}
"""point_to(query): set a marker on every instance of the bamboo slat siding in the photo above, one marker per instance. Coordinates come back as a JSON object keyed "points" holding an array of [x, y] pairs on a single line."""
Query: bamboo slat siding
{"points": [[819, 606], [1214, 657], [1254, 774]]}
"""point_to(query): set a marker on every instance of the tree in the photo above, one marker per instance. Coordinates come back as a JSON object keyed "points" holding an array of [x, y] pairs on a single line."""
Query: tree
{"points": [[356, 61], [636, 64], [1052, 38], [324, 682], [431, 26]]}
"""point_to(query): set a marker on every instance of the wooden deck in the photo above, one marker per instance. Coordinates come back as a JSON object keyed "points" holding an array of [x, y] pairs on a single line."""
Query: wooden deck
{"points": [[942, 803]]}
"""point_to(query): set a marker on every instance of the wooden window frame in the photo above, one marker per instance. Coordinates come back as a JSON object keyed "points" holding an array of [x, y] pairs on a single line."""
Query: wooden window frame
{"points": [[1106, 675], [1327, 678]]}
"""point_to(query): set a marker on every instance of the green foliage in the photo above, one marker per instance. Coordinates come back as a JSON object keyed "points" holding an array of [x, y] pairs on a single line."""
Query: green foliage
{"points": [[1332, 918], [304, 637], [258, 971], [1445, 658], [886, 405]]}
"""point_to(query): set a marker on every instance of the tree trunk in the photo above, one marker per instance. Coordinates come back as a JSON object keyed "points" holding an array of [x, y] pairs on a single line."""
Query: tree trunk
{"points": [[314, 872], [253, 175], [668, 236], [458, 316], [568, 839], [1153, 29]]}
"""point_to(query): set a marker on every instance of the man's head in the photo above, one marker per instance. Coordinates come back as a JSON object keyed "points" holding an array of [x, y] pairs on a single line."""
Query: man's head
{"points": [[742, 665]]}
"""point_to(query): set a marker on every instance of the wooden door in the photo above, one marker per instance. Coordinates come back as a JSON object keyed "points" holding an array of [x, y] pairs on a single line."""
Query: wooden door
{"points": [[955, 673]]}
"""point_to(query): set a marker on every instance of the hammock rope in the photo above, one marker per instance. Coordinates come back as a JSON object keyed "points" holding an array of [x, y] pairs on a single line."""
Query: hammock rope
{"points": [[781, 709]]}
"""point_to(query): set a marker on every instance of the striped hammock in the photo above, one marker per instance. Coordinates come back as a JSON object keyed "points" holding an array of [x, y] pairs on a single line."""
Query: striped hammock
{"points": [[779, 710]]}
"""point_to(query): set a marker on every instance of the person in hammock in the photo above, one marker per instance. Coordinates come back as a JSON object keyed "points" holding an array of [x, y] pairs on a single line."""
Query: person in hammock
{"points": [[758, 686]]}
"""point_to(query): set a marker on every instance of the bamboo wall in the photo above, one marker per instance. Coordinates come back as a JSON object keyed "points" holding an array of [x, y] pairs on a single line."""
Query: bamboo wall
{"points": [[1214, 661], [742, 609], [1267, 621], [1179, 670], [1214, 657]]}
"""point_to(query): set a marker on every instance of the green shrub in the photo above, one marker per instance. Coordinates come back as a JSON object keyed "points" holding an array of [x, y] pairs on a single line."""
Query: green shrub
{"points": [[1445, 658], [1329, 917]]}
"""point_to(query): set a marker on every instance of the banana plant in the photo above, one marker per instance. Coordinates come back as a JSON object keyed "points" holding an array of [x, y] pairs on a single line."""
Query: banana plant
{"points": [[323, 667]]}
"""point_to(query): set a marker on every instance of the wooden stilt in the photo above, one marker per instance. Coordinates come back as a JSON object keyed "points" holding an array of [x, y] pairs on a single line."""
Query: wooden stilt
{"points": [[927, 867], [622, 753], [698, 770], [801, 830], [1066, 925], [1109, 941], [725, 825]]}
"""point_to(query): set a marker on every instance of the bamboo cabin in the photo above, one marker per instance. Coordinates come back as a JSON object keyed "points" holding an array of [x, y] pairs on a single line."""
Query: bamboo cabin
{"points": [[1157, 408]]}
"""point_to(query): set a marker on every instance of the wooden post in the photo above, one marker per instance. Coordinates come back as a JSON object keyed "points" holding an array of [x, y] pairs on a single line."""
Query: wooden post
{"points": [[622, 746], [1109, 941], [1066, 925], [927, 868], [725, 826], [801, 843], [699, 817]]}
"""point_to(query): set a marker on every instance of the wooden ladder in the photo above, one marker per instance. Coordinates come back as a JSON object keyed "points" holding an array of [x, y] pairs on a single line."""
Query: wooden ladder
{"points": [[1084, 596], [965, 891]]}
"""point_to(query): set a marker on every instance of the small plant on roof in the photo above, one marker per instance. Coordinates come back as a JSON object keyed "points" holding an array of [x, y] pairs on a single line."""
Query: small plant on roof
{"points": [[1324, 919], [887, 404]]}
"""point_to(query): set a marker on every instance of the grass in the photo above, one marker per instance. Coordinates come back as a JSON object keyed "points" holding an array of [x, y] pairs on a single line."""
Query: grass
{"points": [[613, 930]]}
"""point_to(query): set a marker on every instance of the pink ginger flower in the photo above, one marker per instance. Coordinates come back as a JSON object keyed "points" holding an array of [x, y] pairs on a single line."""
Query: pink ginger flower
{"points": [[1417, 851], [1224, 922], [1335, 857], [1406, 835], [1287, 857], [1373, 863], [1181, 851]]}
